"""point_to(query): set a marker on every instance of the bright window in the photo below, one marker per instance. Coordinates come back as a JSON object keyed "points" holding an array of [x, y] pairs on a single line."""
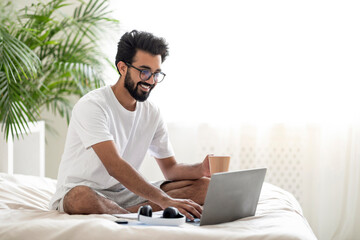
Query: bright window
{"points": [[253, 61]]}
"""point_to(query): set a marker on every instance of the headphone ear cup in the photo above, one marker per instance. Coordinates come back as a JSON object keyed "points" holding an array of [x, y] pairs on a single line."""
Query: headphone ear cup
{"points": [[145, 210], [171, 212]]}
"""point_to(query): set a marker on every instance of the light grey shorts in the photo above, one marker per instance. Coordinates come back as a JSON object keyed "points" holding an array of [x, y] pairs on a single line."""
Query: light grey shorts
{"points": [[123, 197]]}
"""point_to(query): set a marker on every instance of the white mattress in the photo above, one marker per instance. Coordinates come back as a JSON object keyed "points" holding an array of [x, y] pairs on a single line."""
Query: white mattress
{"points": [[24, 214]]}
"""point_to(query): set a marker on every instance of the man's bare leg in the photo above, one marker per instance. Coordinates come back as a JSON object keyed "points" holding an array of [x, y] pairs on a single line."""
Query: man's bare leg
{"points": [[83, 200]]}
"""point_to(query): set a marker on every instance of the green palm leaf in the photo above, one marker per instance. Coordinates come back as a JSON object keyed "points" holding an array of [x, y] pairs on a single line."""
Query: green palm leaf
{"points": [[17, 63]]}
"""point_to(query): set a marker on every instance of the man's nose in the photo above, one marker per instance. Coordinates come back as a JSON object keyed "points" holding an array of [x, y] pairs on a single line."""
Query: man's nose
{"points": [[151, 80]]}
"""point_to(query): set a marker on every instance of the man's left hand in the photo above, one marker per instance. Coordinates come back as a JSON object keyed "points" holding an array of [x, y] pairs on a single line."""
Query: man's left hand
{"points": [[205, 166]]}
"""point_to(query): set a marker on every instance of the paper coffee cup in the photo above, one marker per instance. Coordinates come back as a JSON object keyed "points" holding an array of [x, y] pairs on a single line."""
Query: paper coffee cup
{"points": [[219, 164]]}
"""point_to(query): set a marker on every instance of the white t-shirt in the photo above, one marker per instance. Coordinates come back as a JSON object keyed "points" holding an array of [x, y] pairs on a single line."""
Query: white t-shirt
{"points": [[99, 117]]}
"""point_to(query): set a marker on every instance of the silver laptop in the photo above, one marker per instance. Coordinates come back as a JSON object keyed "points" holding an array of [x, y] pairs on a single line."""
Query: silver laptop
{"points": [[231, 196]]}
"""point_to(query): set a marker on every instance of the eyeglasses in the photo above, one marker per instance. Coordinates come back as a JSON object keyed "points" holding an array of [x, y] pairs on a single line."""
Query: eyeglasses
{"points": [[146, 74]]}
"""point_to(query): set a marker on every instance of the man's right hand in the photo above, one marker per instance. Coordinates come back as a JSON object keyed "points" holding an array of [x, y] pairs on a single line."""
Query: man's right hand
{"points": [[187, 207]]}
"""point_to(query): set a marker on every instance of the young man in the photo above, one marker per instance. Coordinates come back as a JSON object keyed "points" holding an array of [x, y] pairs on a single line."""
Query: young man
{"points": [[111, 130]]}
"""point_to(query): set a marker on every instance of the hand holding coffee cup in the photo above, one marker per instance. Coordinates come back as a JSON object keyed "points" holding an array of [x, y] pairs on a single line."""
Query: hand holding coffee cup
{"points": [[219, 163]]}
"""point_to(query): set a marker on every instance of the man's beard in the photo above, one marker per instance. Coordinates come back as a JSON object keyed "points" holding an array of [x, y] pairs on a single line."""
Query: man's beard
{"points": [[134, 91]]}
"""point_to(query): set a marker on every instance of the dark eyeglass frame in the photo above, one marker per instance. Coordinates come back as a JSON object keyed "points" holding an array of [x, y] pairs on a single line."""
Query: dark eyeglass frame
{"points": [[155, 74]]}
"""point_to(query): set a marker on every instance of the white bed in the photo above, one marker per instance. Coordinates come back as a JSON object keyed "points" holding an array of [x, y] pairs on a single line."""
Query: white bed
{"points": [[24, 214]]}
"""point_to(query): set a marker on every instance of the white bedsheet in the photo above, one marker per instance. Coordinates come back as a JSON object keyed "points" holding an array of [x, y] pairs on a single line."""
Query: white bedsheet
{"points": [[24, 214]]}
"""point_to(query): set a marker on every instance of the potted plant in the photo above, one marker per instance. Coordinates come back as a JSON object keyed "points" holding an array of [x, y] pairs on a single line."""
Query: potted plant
{"points": [[47, 56]]}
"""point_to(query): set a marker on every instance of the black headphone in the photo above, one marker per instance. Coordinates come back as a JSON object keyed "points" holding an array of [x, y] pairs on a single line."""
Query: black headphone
{"points": [[170, 217]]}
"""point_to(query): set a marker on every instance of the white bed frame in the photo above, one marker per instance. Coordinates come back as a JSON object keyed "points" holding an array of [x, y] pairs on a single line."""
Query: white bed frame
{"points": [[25, 155]]}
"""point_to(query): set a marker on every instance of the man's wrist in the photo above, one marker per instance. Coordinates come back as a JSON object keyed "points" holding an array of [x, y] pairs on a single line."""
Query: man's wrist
{"points": [[163, 199]]}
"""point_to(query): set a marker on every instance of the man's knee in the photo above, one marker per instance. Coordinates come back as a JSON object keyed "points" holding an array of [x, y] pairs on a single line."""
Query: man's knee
{"points": [[76, 200], [202, 183], [199, 190]]}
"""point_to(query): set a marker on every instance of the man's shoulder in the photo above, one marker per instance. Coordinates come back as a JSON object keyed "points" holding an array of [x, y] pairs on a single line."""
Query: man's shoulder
{"points": [[95, 95], [93, 99]]}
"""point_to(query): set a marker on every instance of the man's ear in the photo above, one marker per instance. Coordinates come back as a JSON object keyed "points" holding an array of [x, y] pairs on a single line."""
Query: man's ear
{"points": [[122, 67]]}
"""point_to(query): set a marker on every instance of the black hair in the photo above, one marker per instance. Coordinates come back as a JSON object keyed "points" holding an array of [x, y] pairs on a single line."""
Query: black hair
{"points": [[130, 42]]}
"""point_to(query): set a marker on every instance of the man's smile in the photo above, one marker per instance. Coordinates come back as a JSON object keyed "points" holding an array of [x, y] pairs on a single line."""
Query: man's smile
{"points": [[145, 87]]}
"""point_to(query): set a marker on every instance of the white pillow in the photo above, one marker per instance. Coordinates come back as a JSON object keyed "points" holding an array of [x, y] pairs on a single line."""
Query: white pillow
{"points": [[25, 192]]}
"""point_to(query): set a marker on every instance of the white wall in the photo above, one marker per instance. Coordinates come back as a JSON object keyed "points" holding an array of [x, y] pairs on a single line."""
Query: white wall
{"points": [[55, 142], [253, 61]]}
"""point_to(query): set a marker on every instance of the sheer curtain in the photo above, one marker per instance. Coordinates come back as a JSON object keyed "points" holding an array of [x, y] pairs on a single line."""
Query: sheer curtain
{"points": [[335, 202], [333, 181], [272, 83]]}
